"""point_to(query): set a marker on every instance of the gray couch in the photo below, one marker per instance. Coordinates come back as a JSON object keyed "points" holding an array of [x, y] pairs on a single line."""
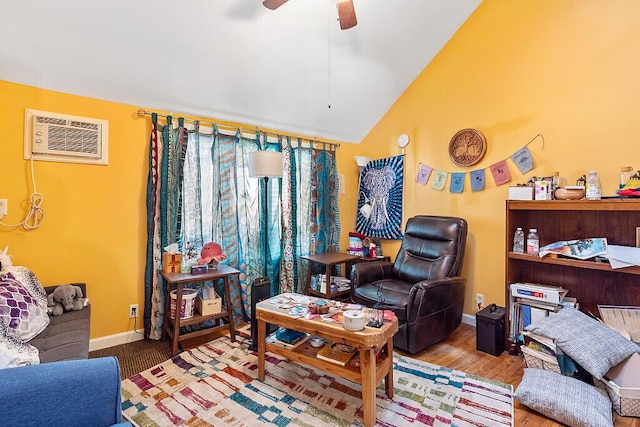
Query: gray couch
{"points": [[67, 336]]}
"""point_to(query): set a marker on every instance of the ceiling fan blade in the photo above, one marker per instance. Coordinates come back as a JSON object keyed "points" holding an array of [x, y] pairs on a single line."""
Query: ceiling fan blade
{"points": [[273, 4], [346, 14]]}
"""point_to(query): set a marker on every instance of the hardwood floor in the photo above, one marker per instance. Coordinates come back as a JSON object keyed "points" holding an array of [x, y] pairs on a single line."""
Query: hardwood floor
{"points": [[459, 352]]}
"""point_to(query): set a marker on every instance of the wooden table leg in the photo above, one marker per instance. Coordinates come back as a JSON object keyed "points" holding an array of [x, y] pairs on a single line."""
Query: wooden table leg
{"points": [[388, 382], [262, 332], [368, 374], [167, 310], [227, 296], [176, 318], [307, 286]]}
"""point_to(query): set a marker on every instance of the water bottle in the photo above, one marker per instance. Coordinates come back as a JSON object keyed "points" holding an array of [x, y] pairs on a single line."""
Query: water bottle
{"points": [[625, 175], [555, 184], [533, 242], [594, 191], [518, 241]]}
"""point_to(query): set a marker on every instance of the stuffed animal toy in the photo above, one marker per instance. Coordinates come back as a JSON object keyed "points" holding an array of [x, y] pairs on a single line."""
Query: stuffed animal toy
{"points": [[211, 254], [5, 259], [66, 298]]}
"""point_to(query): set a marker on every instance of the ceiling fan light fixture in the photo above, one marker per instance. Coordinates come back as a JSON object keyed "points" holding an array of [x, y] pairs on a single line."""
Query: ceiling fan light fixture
{"points": [[273, 4], [346, 14]]}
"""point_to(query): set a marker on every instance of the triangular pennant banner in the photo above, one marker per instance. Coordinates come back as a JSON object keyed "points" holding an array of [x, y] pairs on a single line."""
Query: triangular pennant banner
{"points": [[523, 160], [477, 180], [500, 172], [457, 182], [424, 172], [439, 180]]}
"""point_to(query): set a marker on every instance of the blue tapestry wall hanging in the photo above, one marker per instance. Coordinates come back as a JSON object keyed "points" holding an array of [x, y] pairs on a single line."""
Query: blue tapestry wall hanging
{"points": [[380, 197]]}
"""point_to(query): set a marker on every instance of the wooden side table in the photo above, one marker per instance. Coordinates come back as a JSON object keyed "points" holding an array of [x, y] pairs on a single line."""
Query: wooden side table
{"points": [[328, 259], [171, 327]]}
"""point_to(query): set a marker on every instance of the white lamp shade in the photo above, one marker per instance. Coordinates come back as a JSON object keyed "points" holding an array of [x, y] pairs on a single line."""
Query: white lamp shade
{"points": [[362, 161], [265, 164]]}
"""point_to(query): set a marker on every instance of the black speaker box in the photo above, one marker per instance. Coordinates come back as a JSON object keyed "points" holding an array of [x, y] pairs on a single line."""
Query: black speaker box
{"points": [[490, 330], [260, 291]]}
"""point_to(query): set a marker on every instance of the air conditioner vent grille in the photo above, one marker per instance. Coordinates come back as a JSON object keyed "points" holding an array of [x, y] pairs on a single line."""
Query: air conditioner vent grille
{"points": [[57, 137], [75, 140], [51, 121]]}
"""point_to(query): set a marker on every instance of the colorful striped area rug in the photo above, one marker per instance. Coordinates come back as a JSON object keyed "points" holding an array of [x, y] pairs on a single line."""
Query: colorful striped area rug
{"points": [[215, 385]]}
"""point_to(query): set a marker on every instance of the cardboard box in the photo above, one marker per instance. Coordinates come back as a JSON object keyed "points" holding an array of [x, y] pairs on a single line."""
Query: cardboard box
{"points": [[521, 193], [171, 262], [542, 189], [208, 302], [623, 386]]}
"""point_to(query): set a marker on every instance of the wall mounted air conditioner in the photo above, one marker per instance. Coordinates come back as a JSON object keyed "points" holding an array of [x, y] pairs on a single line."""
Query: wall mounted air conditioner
{"points": [[62, 138]]}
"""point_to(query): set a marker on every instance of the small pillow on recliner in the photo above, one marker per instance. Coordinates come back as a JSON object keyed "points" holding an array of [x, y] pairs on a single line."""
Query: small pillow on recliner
{"points": [[591, 344]]}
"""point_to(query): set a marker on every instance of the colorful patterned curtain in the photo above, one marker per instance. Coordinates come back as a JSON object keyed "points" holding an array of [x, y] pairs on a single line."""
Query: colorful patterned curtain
{"points": [[310, 217], [210, 197], [164, 198]]}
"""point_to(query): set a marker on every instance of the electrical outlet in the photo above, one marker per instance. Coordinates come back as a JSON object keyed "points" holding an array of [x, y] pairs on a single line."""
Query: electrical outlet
{"points": [[480, 300], [4, 207], [133, 311]]}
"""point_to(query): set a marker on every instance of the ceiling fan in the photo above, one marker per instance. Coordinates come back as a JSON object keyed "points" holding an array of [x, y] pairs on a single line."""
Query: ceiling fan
{"points": [[346, 11]]}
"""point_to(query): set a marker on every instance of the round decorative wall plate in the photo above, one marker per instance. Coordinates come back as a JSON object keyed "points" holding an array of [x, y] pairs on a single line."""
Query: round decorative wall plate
{"points": [[467, 147]]}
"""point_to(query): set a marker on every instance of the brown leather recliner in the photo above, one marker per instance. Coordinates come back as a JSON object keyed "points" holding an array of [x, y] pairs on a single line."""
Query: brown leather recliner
{"points": [[422, 286]]}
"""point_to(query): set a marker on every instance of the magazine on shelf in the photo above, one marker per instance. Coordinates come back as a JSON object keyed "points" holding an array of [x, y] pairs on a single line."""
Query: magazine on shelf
{"points": [[580, 248], [287, 343], [336, 353], [539, 343]]}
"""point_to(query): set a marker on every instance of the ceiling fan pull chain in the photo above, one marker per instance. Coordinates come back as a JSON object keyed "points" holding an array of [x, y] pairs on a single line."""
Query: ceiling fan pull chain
{"points": [[329, 60]]}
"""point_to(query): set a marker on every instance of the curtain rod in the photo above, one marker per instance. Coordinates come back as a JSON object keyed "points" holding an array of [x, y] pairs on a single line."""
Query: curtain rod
{"points": [[142, 112]]}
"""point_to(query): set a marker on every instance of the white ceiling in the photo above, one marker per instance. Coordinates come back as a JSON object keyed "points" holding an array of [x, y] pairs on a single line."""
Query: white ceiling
{"points": [[231, 60]]}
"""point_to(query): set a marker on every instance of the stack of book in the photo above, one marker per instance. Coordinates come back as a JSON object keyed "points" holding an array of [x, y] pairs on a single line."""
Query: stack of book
{"points": [[339, 284], [336, 353], [287, 338], [540, 352], [532, 302]]}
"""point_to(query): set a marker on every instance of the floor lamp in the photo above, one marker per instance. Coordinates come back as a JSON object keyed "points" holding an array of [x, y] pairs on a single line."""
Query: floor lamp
{"points": [[263, 164]]}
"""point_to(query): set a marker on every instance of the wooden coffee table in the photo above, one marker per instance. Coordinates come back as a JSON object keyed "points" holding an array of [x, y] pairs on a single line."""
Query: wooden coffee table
{"points": [[368, 342]]}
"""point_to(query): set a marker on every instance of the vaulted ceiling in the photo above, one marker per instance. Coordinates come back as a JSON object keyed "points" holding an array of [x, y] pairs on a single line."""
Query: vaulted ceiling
{"points": [[291, 70]]}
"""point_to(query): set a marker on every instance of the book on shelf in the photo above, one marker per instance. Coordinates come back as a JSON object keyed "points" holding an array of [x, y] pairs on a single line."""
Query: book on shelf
{"points": [[355, 360], [287, 338], [336, 353], [543, 293], [539, 343], [525, 311]]}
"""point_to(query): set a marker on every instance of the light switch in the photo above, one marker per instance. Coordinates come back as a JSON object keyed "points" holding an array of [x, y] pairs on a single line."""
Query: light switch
{"points": [[343, 189]]}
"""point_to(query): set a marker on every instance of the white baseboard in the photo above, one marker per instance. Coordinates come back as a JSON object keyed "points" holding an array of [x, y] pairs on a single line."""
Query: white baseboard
{"points": [[468, 319], [113, 340]]}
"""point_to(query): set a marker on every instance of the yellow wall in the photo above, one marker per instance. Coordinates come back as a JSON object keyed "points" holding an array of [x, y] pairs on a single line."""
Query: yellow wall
{"points": [[568, 69], [95, 225]]}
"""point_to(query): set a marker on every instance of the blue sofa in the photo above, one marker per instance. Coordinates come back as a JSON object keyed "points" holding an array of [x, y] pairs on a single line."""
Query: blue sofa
{"points": [[74, 393]]}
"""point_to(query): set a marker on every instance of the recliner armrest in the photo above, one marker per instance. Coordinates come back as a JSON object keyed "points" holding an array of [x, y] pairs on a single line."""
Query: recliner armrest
{"points": [[430, 296], [368, 272]]}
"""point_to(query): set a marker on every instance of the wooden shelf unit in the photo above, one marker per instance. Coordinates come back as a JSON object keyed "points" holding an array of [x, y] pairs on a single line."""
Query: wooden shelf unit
{"points": [[171, 326], [592, 283]]}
